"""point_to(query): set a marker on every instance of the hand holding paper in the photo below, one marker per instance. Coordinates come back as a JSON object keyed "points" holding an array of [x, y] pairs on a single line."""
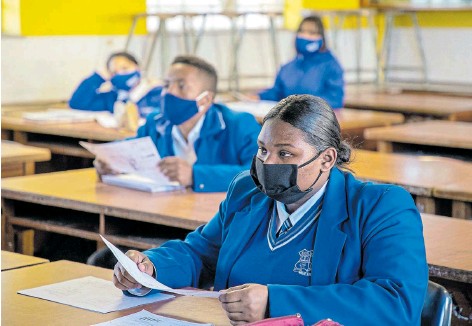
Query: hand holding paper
{"points": [[148, 281]]}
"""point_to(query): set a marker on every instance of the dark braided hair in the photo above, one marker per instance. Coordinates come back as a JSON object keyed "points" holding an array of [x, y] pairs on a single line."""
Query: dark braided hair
{"points": [[313, 116]]}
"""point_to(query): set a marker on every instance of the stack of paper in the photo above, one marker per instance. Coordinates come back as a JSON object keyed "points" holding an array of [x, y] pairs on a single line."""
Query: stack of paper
{"points": [[140, 182], [134, 163], [61, 115], [146, 318]]}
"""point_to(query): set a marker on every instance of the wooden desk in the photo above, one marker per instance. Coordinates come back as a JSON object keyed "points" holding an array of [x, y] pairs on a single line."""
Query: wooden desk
{"points": [[460, 192], [18, 159], [420, 175], [12, 260], [73, 203], [60, 138], [426, 135], [352, 122], [19, 309], [448, 247], [422, 104]]}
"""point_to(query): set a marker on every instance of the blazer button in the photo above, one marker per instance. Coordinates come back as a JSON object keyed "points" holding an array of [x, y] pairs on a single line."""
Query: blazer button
{"points": [[201, 186]]}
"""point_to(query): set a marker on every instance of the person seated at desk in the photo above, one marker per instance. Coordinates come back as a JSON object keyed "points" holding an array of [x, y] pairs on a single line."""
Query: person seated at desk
{"points": [[204, 145], [299, 234], [314, 70], [120, 83]]}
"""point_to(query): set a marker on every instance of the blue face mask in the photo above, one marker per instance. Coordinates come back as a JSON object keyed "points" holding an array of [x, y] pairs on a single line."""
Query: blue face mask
{"points": [[126, 81], [178, 110], [306, 47]]}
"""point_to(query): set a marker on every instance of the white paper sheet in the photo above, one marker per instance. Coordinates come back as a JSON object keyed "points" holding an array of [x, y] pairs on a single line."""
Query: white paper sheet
{"points": [[61, 115], [147, 280], [126, 156], [136, 162], [145, 318], [91, 293]]}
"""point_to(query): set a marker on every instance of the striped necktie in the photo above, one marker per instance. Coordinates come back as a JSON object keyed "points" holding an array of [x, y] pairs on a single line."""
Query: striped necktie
{"points": [[286, 225]]}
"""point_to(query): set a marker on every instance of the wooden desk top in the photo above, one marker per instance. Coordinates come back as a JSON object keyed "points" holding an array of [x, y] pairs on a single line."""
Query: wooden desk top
{"points": [[437, 105], [12, 260], [79, 189], [84, 130], [460, 189], [23, 310], [17, 153], [418, 174], [451, 134], [348, 118], [448, 247]]}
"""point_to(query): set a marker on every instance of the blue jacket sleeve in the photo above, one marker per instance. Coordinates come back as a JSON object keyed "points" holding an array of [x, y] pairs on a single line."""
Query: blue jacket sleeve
{"points": [[334, 86], [182, 263], [86, 97], [217, 177], [392, 288], [276, 92]]}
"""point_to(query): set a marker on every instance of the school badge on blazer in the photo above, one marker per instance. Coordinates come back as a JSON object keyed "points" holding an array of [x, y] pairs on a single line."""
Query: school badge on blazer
{"points": [[303, 265]]}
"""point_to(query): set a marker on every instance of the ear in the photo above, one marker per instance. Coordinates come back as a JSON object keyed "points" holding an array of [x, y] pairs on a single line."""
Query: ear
{"points": [[205, 100], [328, 159]]}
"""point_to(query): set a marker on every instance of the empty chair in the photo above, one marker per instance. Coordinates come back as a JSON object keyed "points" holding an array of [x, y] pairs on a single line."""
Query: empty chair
{"points": [[437, 306]]}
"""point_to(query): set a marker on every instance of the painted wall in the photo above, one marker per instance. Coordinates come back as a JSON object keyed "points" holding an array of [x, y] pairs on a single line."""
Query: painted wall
{"points": [[50, 67]]}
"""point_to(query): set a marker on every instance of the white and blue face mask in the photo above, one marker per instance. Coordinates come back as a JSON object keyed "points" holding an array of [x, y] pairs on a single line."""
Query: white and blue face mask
{"points": [[306, 46], [177, 110], [127, 81]]}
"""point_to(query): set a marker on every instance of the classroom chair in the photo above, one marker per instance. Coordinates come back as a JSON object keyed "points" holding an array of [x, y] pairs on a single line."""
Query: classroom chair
{"points": [[437, 307]]}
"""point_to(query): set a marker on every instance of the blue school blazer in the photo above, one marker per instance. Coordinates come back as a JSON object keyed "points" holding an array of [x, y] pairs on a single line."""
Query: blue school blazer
{"points": [[369, 261], [318, 75], [226, 146], [86, 97]]}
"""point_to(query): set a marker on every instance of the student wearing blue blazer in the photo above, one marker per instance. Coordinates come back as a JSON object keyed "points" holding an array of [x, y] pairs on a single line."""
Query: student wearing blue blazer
{"points": [[120, 83], [299, 234], [204, 145], [313, 71]]}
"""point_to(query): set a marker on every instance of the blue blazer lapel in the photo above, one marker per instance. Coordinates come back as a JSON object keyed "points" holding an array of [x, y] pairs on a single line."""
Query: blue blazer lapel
{"points": [[164, 142], [330, 239], [243, 226]]}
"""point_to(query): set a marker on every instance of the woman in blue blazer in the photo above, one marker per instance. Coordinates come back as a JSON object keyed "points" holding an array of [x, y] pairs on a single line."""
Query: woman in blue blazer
{"points": [[313, 71], [120, 83], [299, 234]]}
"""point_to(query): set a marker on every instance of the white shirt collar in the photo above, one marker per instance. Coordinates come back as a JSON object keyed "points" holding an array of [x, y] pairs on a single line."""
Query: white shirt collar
{"points": [[282, 213], [185, 148]]}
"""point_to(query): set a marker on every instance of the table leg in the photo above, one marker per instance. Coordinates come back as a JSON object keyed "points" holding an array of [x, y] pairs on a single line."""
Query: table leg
{"points": [[384, 146], [8, 237], [462, 210], [426, 204]]}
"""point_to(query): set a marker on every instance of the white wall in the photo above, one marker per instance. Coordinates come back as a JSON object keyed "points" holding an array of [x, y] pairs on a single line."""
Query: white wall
{"points": [[49, 68]]}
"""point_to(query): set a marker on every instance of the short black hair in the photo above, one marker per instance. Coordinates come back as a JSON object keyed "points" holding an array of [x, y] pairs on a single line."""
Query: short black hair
{"points": [[319, 24], [202, 66], [313, 116], [123, 54]]}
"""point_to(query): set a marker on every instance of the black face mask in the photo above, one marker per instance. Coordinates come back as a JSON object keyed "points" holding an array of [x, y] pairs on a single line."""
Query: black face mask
{"points": [[279, 181]]}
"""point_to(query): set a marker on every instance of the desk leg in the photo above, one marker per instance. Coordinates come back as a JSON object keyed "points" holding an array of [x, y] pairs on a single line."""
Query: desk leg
{"points": [[426, 204], [8, 237], [462, 210], [384, 146], [29, 168], [20, 137], [101, 230], [25, 241]]}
